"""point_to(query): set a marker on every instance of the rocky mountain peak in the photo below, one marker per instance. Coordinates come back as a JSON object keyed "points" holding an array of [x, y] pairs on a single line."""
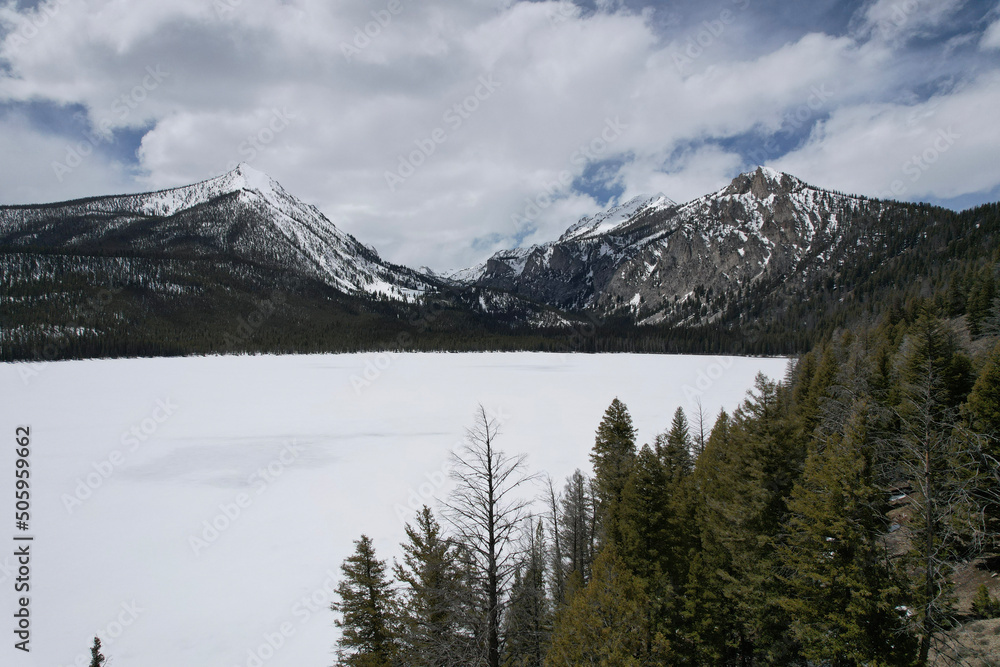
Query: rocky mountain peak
{"points": [[245, 177], [762, 183]]}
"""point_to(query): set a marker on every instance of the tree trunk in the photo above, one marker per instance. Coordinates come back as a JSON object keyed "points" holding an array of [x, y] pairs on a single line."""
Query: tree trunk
{"points": [[493, 597]]}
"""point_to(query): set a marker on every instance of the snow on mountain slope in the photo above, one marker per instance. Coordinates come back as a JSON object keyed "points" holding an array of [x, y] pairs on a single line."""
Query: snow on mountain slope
{"points": [[615, 217], [657, 261], [243, 177], [243, 215], [763, 226]]}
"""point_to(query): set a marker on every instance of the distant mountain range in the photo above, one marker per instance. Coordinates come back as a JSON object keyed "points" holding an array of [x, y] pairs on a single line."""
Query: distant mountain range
{"points": [[178, 271], [655, 261]]}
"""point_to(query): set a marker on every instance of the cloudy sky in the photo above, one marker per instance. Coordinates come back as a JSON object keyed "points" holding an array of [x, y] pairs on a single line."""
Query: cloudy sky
{"points": [[442, 130]]}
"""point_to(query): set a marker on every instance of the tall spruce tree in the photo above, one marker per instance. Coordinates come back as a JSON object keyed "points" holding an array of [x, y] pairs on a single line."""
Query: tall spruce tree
{"points": [[674, 449], [982, 409], [605, 623], [982, 416], [679, 435], [843, 591], [679, 506], [645, 518], [368, 611], [934, 379], [750, 464], [713, 626], [612, 457], [97, 658], [528, 622], [981, 301], [438, 607], [645, 544], [578, 526]]}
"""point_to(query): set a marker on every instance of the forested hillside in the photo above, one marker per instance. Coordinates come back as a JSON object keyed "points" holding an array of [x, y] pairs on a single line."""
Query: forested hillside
{"points": [[844, 515], [138, 295]]}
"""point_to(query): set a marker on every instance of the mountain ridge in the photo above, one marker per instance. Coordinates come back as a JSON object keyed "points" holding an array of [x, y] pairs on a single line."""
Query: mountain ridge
{"points": [[766, 264], [661, 254], [252, 218]]}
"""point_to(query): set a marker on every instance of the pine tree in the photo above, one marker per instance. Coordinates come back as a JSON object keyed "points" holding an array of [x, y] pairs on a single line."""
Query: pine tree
{"points": [[528, 623], [991, 322], [679, 436], [812, 387], [956, 296], [983, 406], [645, 545], [678, 506], [983, 605], [842, 591], [674, 449], [931, 457], [368, 611], [606, 622], [750, 464], [713, 633], [982, 416], [437, 613], [577, 526], [981, 302], [708, 638], [612, 457], [97, 658]]}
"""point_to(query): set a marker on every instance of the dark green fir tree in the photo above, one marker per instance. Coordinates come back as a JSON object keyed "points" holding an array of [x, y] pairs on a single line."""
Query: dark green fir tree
{"points": [[843, 592], [612, 458], [437, 614], [97, 658], [368, 611]]}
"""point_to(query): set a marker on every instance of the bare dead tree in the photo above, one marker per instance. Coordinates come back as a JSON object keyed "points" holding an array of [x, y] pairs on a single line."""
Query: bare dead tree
{"points": [[699, 427], [487, 511], [558, 582]]}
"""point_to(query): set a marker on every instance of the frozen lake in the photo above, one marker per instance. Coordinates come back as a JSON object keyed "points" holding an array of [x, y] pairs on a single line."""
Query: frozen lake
{"points": [[195, 511]]}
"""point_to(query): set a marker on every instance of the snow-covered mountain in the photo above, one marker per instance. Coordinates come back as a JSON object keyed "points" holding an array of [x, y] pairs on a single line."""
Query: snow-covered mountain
{"points": [[655, 261], [616, 216], [236, 264], [243, 215]]}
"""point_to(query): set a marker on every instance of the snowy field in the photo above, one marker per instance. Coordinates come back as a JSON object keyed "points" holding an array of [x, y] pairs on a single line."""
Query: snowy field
{"points": [[195, 511]]}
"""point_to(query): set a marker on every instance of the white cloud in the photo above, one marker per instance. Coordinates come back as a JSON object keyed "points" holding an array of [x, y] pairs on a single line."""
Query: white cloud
{"points": [[991, 38], [73, 169], [897, 21], [692, 174], [944, 147], [329, 97]]}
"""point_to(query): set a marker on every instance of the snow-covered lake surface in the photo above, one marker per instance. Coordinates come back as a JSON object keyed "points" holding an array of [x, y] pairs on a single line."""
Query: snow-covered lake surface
{"points": [[195, 511]]}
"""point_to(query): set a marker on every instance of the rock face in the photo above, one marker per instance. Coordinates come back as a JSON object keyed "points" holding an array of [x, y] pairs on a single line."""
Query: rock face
{"points": [[656, 261], [242, 216]]}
